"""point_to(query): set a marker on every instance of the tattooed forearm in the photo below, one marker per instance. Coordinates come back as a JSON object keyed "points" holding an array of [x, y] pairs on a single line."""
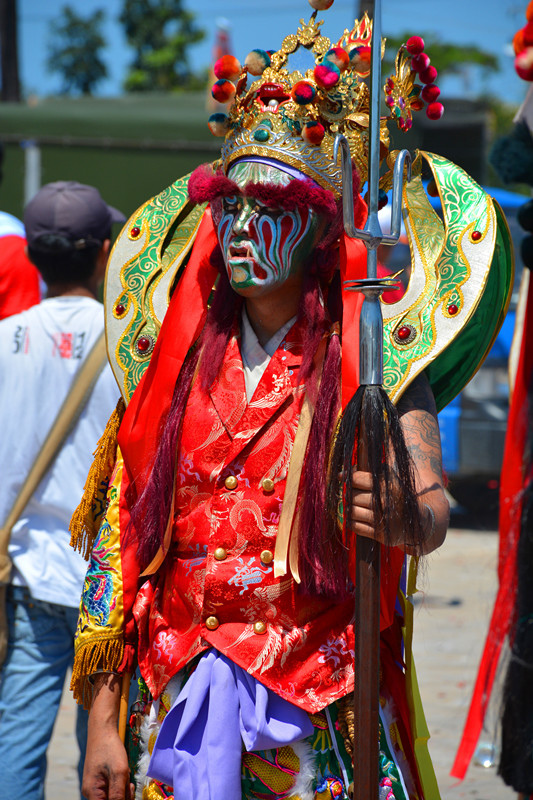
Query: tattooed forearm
{"points": [[420, 426]]}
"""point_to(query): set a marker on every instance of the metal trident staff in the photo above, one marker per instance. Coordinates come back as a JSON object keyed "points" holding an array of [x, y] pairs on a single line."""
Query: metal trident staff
{"points": [[367, 577]]}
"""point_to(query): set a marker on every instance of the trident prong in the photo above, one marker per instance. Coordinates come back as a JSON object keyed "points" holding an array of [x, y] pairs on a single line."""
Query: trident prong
{"points": [[371, 235], [371, 322]]}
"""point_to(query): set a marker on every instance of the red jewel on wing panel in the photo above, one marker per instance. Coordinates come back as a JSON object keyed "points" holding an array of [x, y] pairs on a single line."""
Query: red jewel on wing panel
{"points": [[144, 344]]}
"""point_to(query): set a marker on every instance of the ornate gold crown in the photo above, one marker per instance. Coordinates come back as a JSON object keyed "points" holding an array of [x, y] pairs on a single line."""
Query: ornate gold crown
{"points": [[293, 116]]}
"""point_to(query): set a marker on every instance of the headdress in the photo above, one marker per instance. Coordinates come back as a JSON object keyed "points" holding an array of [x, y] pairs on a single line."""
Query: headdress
{"points": [[289, 105]]}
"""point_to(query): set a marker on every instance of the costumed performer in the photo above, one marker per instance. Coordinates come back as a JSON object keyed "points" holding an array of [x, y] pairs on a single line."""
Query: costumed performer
{"points": [[508, 648], [221, 563]]}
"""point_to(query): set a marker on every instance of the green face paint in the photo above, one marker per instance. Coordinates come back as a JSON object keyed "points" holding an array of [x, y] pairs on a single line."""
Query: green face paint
{"points": [[263, 246]]}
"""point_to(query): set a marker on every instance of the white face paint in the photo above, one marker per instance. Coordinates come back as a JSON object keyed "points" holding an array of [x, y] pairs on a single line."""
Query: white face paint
{"points": [[263, 246]]}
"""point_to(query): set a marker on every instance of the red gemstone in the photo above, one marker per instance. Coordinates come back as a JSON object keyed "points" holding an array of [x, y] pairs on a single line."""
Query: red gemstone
{"points": [[120, 309], [143, 344], [135, 231], [404, 332], [476, 236], [453, 309]]}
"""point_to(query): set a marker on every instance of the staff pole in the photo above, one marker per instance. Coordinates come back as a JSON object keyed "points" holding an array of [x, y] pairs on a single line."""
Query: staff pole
{"points": [[367, 561]]}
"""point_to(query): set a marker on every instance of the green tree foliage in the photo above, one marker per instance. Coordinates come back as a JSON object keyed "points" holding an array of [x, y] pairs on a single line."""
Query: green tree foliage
{"points": [[75, 50], [160, 32]]}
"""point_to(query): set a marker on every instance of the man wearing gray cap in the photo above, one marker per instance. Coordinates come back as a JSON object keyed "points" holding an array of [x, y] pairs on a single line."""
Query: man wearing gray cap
{"points": [[68, 229]]}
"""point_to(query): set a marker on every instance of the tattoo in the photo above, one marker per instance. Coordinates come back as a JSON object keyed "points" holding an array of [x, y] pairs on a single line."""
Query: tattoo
{"points": [[418, 415]]}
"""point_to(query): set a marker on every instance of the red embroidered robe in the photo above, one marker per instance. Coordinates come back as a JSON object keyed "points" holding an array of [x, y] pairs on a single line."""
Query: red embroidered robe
{"points": [[216, 587]]}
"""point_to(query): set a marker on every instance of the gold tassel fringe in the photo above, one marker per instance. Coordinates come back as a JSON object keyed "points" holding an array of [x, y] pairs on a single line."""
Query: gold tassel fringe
{"points": [[105, 654], [345, 722], [85, 522]]}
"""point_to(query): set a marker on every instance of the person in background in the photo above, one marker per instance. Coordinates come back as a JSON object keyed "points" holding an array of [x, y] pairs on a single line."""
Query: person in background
{"points": [[19, 279], [68, 229]]}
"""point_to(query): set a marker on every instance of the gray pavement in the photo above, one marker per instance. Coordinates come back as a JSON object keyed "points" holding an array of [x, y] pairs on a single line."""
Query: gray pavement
{"points": [[452, 611]]}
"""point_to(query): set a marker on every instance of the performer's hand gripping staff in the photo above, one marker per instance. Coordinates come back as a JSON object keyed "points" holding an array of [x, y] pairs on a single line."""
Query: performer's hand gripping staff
{"points": [[370, 439]]}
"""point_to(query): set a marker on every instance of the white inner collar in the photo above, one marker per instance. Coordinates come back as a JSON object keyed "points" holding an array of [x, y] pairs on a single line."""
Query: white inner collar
{"points": [[255, 357]]}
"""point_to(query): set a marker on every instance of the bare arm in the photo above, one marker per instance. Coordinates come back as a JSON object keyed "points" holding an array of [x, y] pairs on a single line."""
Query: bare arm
{"points": [[418, 417], [106, 771]]}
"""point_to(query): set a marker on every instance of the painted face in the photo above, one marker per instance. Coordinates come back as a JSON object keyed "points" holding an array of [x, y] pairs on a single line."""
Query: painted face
{"points": [[263, 246]]}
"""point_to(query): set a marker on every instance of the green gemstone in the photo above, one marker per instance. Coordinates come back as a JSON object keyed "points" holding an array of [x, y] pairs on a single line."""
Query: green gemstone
{"points": [[261, 135]]}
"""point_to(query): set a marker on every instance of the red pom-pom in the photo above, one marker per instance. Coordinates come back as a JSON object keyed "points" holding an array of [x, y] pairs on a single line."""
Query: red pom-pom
{"points": [[420, 62], [435, 110], [428, 75], [327, 74], [518, 41], [430, 93], [223, 91], [313, 132], [432, 189], [523, 64], [320, 5], [527, 30], [339, 57], [529, 11], [414, 45], [303, 92], [360, 59], [227, 68]]}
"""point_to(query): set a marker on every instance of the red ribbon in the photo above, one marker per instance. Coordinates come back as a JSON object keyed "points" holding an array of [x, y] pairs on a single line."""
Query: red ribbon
{"points": [[511, 497], [181, 327]]}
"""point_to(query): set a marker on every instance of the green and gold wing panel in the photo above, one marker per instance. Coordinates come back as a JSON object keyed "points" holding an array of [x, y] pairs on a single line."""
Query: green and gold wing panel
{"points": [[460, 282], [146, 263]]}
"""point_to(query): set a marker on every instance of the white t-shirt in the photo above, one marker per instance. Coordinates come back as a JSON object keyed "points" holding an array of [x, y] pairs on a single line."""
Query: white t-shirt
{"points": [[41, 350]]}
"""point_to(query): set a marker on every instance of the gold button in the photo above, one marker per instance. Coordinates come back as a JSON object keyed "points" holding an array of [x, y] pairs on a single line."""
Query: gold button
{"points": [[260, 626], [212, 623], [220, 554], [266, 556], [268, 485], [231, 482]]}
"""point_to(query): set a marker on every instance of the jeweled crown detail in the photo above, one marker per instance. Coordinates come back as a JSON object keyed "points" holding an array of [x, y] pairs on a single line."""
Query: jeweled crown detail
{"points": [[292, 116]]}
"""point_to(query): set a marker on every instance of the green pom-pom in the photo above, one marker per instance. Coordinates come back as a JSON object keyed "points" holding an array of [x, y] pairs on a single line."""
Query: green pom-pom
{"points": [[524, 216], [512, 156], [526, 251]]}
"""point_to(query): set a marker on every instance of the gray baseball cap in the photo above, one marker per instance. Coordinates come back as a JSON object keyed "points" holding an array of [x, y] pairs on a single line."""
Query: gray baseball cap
{"points": [[72, 211]]}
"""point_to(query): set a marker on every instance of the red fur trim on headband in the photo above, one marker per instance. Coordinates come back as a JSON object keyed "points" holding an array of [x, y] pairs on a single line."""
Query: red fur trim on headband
{"points": [[296, 194], [205, 186]]}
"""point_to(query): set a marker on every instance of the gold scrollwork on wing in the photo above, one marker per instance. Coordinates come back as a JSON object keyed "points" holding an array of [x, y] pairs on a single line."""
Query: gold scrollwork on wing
{"points": [[431, 326], [142, 271]]}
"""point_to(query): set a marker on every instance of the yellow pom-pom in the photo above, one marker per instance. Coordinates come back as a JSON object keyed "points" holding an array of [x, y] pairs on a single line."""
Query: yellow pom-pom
{"points": [[257, 61]]}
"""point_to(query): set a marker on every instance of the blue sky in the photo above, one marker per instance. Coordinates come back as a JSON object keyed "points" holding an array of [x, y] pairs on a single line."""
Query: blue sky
{"points": [[260, 23]]}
